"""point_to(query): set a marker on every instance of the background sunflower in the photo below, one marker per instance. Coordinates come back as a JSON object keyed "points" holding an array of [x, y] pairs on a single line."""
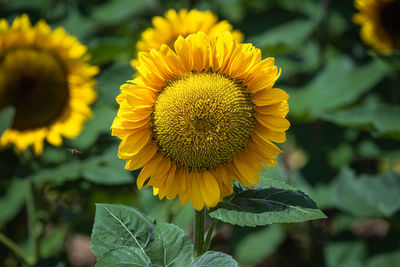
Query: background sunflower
{"points": [[45, 77], [380, 26], [342, 148]]}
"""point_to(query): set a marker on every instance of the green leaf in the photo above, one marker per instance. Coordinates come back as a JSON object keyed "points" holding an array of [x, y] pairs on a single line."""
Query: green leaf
{"points": [[110, 81], [392, 59], [339, 78], [284, 37], [6, 117], [254, 247], [391, 259], [306, 61], [367, 195], [266, 181], [68, 171], [212, 259], [347, 253], [124, 257], [77, 24], [115, 11], [170, 247], [122, 236], [109, 49], [106, 169], [12, 201], [99, 172], [341, 156], [118, 226], [381, 117], [184, 217], [266, 206], [52, 242]]}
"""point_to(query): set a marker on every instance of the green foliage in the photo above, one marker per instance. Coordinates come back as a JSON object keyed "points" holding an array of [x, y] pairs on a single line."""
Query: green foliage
{"points": [[345, 253], [102, 169], [6, 116], [122, 236], [372, 114], [118, 10], [12, 201], [120, 230], [260, 244], [320, 95], [368, 196], [53, 242], [385, 259], [99, 124], [284, 37], [322, 194]]}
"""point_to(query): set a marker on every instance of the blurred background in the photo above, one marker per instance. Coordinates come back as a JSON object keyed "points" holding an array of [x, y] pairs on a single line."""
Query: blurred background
{"points": [[343, 145]]}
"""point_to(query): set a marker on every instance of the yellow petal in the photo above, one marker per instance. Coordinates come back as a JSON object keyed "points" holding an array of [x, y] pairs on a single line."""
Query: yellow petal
{"points": [[195, 195], [269, 97], [142, 157], [209, 189], [148, 170], [133, 143]]}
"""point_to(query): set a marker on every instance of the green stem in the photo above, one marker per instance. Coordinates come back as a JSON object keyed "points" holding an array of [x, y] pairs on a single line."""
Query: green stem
{"points": [[15, 249], [198, 235], [206, 245], [32, 221]]}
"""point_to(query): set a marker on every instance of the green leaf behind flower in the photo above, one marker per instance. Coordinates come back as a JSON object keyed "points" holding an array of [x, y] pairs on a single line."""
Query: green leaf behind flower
{"points": [[253, 247], [368, 195], [382, 118], [6, 116], [339, 84]]}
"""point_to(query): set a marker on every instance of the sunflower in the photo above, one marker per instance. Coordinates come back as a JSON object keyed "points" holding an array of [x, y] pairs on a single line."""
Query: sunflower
{"points": [[200, 116], [380, 24], [44, 75], [166, 29]]}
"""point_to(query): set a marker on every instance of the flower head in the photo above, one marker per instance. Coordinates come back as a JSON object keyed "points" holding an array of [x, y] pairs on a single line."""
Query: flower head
{"points": [[380, 26], [45, 77], [200, 116]]}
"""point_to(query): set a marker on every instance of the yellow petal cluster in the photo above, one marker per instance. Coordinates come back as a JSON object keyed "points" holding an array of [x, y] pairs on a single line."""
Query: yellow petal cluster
{"points": [[71, 56], [200, 56]]}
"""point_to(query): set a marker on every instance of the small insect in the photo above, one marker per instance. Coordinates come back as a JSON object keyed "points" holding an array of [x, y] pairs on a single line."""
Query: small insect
{"points": [[74, 151]]}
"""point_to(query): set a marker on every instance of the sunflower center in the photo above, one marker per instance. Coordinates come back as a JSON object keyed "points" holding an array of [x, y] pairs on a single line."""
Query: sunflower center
{"points": [[202, 120], [389, 17], [34, 82]]}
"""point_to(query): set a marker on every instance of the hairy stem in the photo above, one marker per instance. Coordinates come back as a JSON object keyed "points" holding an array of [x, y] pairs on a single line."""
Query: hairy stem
{"points": [[32, 221], [198, 235]]}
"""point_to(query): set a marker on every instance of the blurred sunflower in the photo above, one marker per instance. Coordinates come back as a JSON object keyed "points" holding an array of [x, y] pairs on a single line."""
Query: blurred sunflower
{"points": [[380, 23], [200, 116], [44, 75], [166, 29]]}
